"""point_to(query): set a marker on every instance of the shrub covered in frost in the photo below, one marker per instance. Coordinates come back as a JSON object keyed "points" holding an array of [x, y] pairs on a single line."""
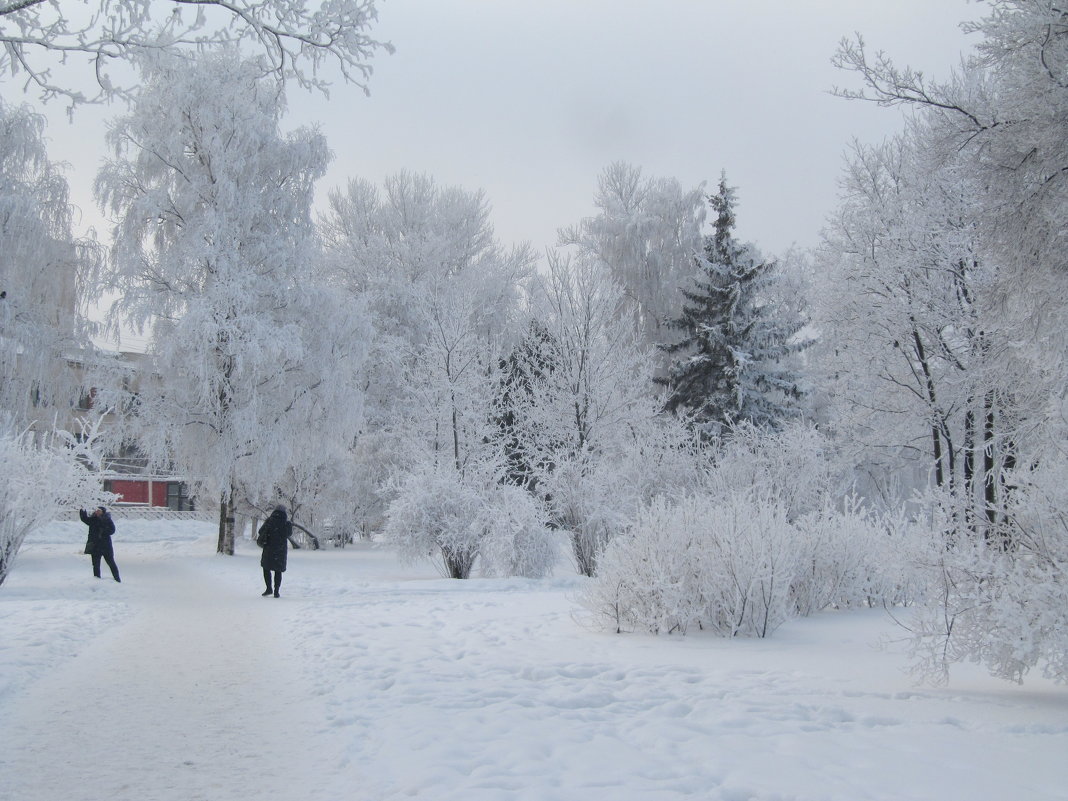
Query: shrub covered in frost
{"points": [[738, 566], [596, 496], [852, 556], [591, 506], [1001, 602], [435, 512], [463, 518], [515, 538], [721, 567], [791, 464]]}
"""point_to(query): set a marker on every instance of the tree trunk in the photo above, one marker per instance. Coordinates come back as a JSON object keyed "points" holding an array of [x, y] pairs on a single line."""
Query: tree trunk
{"points": [[219, 548], [997, 462], [456, 439], [994, 479], [969, 468], [226, 527], [939, 429], [936, 451]]}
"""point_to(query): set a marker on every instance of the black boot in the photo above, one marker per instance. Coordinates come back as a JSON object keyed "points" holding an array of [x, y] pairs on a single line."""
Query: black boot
{"points": [[266, 592]]}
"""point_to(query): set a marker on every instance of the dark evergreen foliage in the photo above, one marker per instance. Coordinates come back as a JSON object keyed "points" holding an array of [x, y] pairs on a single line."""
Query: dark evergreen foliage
{"points": [[729, 364], [530, 360]]}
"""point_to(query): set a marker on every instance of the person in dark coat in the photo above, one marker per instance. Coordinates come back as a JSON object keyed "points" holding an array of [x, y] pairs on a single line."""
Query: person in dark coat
{"points": [[274, 537], [101, 527]]}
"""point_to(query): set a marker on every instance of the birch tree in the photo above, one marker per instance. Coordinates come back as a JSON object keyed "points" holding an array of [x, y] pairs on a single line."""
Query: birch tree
{"points": [[42, 269], [215, 253], [647, 232]]}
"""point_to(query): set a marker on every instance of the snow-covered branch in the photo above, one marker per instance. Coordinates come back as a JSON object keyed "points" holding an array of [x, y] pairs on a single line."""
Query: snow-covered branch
{"points": [[295, 40]]}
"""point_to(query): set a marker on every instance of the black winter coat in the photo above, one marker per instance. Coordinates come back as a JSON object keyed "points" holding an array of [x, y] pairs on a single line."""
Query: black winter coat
{"points": [[101, 527], [274, 537]]}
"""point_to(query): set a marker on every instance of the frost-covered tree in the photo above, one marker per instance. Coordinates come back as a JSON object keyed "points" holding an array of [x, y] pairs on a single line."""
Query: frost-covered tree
{"points": [[646, 232], [41, 268], [917, 354], [732, 362], [1003, 112], [955, 248], [585, 423], [296, 40], [254, 360], [443, 294], [528, 362]]}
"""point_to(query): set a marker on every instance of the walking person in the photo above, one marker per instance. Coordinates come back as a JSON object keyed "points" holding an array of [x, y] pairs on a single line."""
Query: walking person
{"points": [[101, 527], [274, 537]]}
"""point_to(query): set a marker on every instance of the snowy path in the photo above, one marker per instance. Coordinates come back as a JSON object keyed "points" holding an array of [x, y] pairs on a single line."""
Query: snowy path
{"points": [[194, 696]]}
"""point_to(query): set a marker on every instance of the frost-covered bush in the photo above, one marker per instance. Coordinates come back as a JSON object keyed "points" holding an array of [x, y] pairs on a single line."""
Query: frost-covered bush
{"points": [[591, 505], [516, 540], [853, 556], [738, 566], [467, 518], [767, 536], [596, 497], [435, 511], [37, 482], [650, 578], [724, 567], [1005, 611], [1001, 603], [791, 464], [753, 554]]}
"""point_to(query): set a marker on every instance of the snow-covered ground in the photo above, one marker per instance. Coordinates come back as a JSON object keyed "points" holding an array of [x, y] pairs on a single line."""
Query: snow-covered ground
{"points": [[369, 680]]}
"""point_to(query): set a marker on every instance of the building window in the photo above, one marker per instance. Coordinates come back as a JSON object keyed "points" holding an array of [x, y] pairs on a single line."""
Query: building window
{"points": [[85, 401], [178, 499]]}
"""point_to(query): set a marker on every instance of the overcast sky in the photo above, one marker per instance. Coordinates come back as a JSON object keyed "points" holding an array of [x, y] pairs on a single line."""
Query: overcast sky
{"points": [[529, 101]]}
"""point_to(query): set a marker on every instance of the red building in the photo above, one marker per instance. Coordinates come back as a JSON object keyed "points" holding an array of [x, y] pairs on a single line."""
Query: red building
{"points": [[163, 493]]}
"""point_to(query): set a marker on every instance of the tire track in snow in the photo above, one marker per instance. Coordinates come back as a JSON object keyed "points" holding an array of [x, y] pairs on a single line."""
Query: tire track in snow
{"points": [[196, 695]]}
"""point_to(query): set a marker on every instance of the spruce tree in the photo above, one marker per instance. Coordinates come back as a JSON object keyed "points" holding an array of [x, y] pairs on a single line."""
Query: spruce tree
{"points": [[530, 361], [729, 366]]}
